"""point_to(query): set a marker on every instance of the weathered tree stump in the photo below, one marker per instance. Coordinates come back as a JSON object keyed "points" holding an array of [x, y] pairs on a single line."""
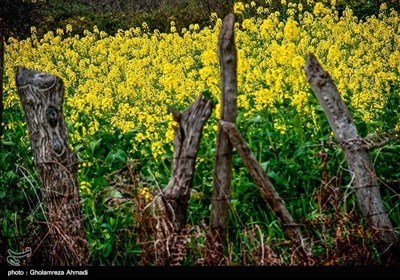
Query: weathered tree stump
{"points": [[223, 162], [171, 204], [41, 96], [356, 152], [269, 193]]}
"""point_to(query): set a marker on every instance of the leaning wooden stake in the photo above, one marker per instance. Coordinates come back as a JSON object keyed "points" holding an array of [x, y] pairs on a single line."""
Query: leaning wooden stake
{"points": [[186, 144], [223, 162], [268, 191], [172, 203], [41, 96], [361, 167]]}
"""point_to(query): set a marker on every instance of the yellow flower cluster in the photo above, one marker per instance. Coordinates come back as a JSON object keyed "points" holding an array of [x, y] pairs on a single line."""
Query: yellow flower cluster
{"points": [[361, 56], [238, 8], [121, 82], [85, 187], [126, 81], [146, 194]]}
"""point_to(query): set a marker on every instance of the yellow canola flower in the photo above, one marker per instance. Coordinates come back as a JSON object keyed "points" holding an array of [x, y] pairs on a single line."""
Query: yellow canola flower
{"points": [[146, 194], [291, 32], [127, 81], [86, 187], [238, 8]]}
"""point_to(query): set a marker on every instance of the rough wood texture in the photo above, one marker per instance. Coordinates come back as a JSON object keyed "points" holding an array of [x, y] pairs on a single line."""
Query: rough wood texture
{"points": [[362, 169], [41, 96], [186, 144], [267, 190], [223, 162], [171, 205]]}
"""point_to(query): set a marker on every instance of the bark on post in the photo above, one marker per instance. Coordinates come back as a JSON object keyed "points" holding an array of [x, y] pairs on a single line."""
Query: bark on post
{"points": [[186, 144], [171, 204], [268, 191], [41, 96], [356, 152], [223, 162]]}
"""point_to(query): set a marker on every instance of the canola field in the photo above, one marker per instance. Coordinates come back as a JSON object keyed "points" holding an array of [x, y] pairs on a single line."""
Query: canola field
{"points": [[126, 81], [122, 85]]}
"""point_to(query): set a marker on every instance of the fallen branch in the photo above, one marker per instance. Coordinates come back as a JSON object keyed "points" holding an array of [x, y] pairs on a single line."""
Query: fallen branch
{"points": [[267, 190]]}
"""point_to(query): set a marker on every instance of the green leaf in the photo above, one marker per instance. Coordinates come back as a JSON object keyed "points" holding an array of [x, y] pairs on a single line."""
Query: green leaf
{"points": [[107, 249], [70, 126], [93, 145], [112, 222], [99, 182], [256, 119], [115, 193], [118, 155], [277, 179], [107, 226], [234, 202], [8, 143], [264, 165], [5, 227]]}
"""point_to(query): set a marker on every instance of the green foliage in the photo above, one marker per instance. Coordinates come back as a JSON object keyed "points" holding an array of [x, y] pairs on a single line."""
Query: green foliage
{"points": [[306, 168]]}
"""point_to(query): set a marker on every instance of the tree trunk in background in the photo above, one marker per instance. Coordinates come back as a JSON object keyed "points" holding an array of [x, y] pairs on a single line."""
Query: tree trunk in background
{"points": [[223, 162], [361, 167], [41, 96], [172, 203]]}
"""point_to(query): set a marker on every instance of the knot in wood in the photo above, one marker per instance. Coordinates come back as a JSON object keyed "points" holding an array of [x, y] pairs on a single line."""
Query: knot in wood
{"points": [[52, 116], [57, 145], [321, 79]]}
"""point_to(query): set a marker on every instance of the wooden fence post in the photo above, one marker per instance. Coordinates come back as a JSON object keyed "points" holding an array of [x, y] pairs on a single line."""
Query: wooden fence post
{"points": [[223, 162], [356, 152], [171, 204], [41, 96]]}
